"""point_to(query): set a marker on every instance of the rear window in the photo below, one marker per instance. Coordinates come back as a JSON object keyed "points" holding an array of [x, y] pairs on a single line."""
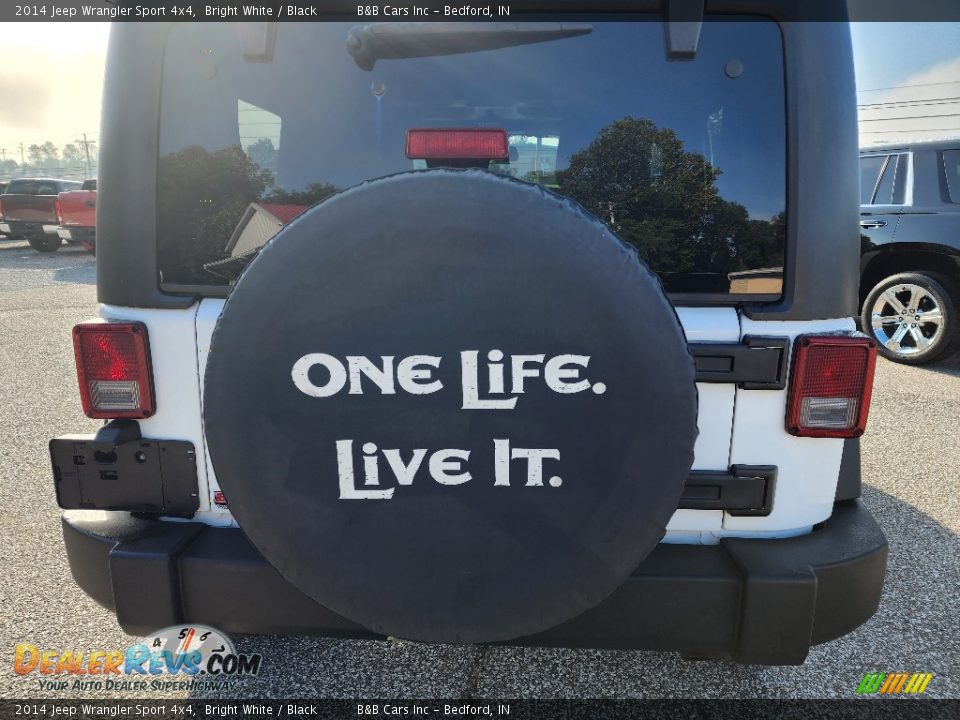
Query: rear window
{"points": [[951, 166], [685, 160], [40, 187], [32, 187]]}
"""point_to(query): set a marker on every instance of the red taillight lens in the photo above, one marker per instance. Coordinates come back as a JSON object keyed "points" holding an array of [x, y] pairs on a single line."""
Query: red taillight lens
{"points": [[113, 368], [56, 206], [830, 386], [469, 144]]}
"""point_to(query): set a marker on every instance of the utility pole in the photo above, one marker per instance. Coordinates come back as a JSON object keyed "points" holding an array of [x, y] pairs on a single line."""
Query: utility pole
{"points": [[23, 163]]}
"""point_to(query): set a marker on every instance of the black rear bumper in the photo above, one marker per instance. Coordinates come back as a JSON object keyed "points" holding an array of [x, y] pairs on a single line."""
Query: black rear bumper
{"points": [[760, 601]]}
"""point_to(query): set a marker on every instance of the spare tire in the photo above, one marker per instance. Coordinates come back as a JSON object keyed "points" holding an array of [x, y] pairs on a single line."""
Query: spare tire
{"points": [[471, 545]]}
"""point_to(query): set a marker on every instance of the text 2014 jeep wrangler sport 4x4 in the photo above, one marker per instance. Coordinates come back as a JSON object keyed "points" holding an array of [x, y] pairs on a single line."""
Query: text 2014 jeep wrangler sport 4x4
{"points": [[533, 332]]}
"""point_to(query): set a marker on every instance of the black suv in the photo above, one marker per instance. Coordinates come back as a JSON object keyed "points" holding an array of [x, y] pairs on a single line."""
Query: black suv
{"points": [[910, 238]]}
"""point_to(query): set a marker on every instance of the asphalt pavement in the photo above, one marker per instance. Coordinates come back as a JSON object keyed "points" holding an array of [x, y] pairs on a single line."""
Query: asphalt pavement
{"points": [[911, 464]]}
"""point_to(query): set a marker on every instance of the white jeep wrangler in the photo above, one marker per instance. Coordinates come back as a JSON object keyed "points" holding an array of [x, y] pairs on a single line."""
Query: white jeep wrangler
{"points": [[527, 332]]}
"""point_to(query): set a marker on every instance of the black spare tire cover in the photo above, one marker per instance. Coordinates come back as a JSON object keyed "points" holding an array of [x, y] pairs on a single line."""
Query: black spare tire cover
{"points": [[450, 406]]}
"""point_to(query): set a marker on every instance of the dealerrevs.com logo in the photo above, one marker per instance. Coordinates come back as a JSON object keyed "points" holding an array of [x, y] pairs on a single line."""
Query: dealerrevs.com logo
{"points": [[181, 657]]}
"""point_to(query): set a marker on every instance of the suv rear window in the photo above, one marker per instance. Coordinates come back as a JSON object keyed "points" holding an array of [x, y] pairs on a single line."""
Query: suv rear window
{"points": [[683, 159], [38, 187], [951, 167]]}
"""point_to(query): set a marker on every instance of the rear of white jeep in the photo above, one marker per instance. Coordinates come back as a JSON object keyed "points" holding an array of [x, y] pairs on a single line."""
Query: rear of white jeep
{"points": [[380, 352]]}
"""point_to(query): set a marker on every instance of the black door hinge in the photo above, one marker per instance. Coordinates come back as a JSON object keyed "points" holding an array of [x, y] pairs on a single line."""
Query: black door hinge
{"points": [[742, 490], [755, 363]]}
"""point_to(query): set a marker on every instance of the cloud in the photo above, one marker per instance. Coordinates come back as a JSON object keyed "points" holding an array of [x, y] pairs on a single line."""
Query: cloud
{"points": [[25, 101], [56, 97], [926, 106]]}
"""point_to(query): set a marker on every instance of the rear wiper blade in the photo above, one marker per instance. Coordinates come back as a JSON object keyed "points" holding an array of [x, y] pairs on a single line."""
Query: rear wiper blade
{"points": [[383, 41]]}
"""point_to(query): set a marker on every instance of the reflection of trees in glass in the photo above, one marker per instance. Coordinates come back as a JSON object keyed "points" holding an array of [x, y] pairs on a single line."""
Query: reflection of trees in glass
{"points": [[314, 193], [666, 204], [264, 154], [202, 197]]}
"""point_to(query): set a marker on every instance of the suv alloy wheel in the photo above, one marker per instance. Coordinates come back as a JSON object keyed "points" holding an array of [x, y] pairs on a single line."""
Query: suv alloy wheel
{"points": [[912, 316]]}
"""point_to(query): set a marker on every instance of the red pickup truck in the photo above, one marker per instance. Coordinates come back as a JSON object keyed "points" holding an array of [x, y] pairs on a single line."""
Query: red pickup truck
{"points": [[29, 210], [77, 215]]}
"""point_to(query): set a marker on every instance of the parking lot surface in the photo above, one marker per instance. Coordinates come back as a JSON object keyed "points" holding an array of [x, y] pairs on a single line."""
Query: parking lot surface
{"points": [[911, 464]]}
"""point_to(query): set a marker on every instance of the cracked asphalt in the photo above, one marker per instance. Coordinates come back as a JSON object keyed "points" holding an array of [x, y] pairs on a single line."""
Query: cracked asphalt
{"points": [[911, 464]]}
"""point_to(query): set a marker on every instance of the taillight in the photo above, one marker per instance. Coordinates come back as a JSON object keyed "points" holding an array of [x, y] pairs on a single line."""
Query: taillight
{"points": [[1, 210], [113, 368], [830, 386], [56, 205], [464, 144]]}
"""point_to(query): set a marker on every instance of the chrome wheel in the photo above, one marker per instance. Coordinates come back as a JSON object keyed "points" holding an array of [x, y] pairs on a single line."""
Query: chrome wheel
{"points": [[907, 319]]}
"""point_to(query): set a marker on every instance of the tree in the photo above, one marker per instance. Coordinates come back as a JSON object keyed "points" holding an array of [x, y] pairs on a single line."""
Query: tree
{"points": [[202, 196], [642, 183], [664, 201], [264, 154], [44, 156], [314, 193], [35, 155], [9, 168], [72, 155]]}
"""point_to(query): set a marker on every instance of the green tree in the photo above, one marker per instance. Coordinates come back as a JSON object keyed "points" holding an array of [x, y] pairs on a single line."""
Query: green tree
{"points": [[663, 200], [641, 182], [202, 196], [314, 193], [761, 246], [9, 168], [43, 156], [264, 154], [71, 155]]}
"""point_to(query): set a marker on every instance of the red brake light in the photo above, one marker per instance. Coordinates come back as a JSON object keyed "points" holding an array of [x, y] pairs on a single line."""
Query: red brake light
{"points": [[830, 386], [464, 144], [113, 369], [56, 205]]}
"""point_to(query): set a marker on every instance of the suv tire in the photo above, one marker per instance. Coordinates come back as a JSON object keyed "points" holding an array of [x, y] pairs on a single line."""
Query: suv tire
{"points": [[45, 244], [913, 317]]}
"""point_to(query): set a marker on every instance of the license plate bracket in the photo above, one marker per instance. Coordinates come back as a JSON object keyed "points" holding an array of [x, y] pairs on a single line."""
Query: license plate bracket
{"points": [[97, 472]]}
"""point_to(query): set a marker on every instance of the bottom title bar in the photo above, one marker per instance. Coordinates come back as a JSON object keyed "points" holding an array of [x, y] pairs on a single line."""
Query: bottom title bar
{"points": [[514, 709]]}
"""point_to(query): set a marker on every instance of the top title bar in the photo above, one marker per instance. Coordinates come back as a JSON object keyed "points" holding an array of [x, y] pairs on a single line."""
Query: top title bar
{"points": [[430, 10]]}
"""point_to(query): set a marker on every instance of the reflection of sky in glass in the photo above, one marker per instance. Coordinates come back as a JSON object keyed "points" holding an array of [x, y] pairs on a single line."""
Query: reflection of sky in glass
{"points": [[562, 92], [255, 124]]}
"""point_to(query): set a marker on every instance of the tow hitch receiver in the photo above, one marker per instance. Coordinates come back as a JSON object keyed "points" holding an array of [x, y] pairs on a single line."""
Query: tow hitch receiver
{"points": [[116, 469]]}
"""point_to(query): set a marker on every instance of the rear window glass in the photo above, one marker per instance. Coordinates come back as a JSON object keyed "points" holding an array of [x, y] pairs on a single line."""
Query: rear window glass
{"points": [[685, 160], [951, 165], [32, 187], [870, 168], [40, 187]]}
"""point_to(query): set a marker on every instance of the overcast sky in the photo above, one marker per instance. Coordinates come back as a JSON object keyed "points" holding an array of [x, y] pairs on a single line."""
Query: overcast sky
{"points": [[50, 83], [52, 73]]}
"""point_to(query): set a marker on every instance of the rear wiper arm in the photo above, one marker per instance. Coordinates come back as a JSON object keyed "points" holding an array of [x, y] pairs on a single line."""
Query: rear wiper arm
{"points": [[383, 41]]}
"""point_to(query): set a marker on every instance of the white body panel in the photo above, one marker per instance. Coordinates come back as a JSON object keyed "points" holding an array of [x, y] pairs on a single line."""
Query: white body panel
{"points": [[736, 426], [807, 468], [176, 381], [714, 419]]}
